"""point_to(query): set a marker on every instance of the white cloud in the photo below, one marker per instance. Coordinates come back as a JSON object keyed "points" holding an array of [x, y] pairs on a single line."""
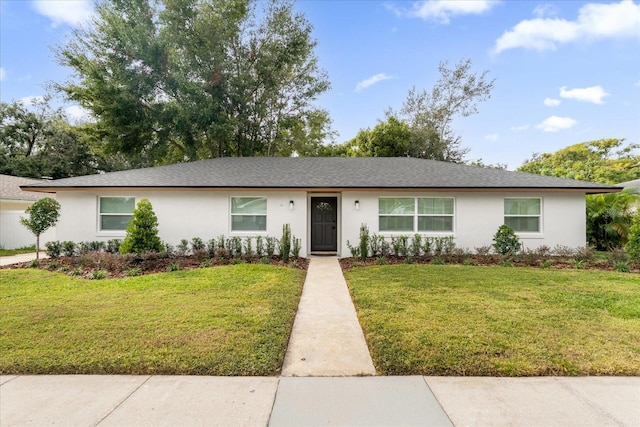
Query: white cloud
{"points": [[589, 94], [546, 10], [29, 101], [77, 114], [70, 12], [493, 137], [520, 128], [2, 74], [441, 11], [555, 123], [550, 102], [595, 21], [371, 81]]}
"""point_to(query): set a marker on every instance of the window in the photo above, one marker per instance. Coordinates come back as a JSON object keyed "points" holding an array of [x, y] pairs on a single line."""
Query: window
{"points": [[396, 214], [522, 215], [248, 214], [434, 214], [116, 212]]}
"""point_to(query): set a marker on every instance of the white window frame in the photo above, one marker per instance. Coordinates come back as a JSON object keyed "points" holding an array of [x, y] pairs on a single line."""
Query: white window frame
{"points": [[417, 215], [231, 215], [117, 232], [452, 215], [539, 216]]}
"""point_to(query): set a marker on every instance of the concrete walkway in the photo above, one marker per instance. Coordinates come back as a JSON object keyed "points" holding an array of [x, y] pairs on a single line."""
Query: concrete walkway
{"points": [[15, 259], [91, 400], [326, 339]]}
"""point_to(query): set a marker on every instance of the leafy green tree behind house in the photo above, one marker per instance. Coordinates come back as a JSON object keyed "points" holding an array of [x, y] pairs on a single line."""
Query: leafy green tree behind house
{"points": [[607, 161], [42, 215], [142, 231], [180, 80]]}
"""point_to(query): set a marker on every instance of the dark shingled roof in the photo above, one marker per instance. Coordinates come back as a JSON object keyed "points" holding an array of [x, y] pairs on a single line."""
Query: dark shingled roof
{"points": [[324, 172]]}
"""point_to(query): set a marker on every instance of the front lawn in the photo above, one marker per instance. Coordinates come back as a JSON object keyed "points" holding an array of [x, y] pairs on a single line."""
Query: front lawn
{"points": [[18, 251], [498, 321], [231, 320]]}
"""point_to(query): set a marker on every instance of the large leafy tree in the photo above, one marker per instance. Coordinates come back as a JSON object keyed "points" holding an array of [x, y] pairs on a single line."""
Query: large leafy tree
{"points": [[37, 141], [176, 80], [608, 161]]}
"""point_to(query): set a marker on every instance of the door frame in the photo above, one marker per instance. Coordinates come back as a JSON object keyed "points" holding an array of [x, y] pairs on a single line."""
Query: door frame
{"points": [[338, 197]]}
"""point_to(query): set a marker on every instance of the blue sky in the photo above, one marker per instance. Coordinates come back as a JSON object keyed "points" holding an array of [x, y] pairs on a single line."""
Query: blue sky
{"points": [[566, 72]]}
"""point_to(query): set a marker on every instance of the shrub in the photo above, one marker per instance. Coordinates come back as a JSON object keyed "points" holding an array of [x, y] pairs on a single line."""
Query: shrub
{"points": [[76, 272], [169, 250], [211, 248], [197, 244], [234, 245], [265, 260], [52, 265], [506, 241], [295, 249], [285, 243], [563, 251], [469, 261], [270, 246], [545, 263], [248, 246], [142, 231], [363, 246], [132, 272], [98, 274], [584, 254], [381, 260], [183, 248], [174, 266], [54, 249], [68, 248], [621, 267], [483, 250], [427, 245], [33, 263], [416, 245], [408, 260], [437, 261], [113, 246], [633, 243], [259, 246], [438, 246], [355, 250]]}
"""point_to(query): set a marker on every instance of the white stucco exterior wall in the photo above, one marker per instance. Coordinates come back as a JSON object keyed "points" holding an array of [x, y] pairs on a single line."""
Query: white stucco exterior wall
{"points": [[185, 214]]}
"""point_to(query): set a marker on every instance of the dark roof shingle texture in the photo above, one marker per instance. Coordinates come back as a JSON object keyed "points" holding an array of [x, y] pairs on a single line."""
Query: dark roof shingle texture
{"points": [[325, 172]]}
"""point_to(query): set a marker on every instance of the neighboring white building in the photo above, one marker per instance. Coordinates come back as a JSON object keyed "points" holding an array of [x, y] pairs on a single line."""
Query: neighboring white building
{"points": [[633, 186], [13, 202], [325, 200]]}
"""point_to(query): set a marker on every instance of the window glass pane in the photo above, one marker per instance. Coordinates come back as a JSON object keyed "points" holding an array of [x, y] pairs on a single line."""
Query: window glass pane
{"points": [[396, 223], [248, 223], [523, 224], [435, 223], [398, 206], [435, 206], [522, 206], [248, 205], [114, 222], [117, 204]]}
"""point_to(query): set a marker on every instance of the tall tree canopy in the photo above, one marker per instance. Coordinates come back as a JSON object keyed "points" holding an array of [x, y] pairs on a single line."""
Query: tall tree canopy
{"points": [[176, 80], [608, 161], [37, 141]]}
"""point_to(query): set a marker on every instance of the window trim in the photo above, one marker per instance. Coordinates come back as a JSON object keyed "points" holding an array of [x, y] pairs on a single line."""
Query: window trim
{"points": [[231, 215], [416, 215], [118, 232], [539, 216]]}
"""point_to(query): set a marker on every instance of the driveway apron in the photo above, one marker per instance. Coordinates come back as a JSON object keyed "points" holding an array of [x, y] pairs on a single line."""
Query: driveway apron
{"points": [[327, 339]]}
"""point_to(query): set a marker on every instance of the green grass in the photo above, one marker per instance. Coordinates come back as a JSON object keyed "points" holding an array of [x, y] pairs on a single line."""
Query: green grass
{"points": [[232, 320], [460, 320], [23, 250]]}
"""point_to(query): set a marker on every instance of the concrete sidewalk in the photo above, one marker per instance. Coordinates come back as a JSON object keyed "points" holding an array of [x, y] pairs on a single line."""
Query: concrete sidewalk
{"points": [[15, 259], [326, 339], [90, 400]]}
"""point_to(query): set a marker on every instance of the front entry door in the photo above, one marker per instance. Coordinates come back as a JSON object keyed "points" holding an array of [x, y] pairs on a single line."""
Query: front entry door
{"points": [[324, 224]]}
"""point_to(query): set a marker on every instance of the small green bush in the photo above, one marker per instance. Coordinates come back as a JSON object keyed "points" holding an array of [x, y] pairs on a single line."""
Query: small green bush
{"points": [[381, 260], [142, 231], [183, 248], [53, 249], [68, 248], [98, 274], [285, 243], [506, 241], [363, 246], [174, 266], [113, 246], [296, 247], [197, 244]]}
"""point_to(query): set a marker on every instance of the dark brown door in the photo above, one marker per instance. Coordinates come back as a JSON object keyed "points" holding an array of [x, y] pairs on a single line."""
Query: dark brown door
{"points": [[324, 224]]}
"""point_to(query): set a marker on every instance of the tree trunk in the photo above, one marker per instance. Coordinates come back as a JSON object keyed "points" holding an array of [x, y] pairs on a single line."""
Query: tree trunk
{"points": [[37, 247]]}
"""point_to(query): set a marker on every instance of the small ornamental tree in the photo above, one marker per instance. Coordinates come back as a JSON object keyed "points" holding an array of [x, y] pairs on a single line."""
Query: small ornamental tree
{"points": [[506, 241], [43, 214], [633, 242], [142, 231]]}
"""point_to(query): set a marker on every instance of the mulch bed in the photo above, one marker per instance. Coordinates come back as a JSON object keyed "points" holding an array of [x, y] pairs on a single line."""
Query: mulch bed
{"points": [[558, 263], [116, 265]]}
